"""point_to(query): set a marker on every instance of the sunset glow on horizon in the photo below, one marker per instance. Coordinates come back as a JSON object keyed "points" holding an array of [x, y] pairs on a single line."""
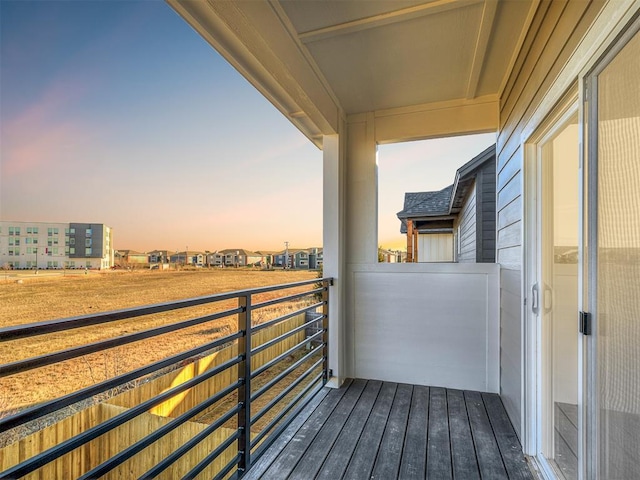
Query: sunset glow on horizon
{"points": [[119, 113]]}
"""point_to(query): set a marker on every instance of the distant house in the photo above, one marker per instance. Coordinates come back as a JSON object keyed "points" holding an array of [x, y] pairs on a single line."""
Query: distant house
{"points": [[188, 258], [158, 256], [268, 256], [391, 256], [239, 257], [315, 258], [457, 223], [131, 258], [283, 258], [299, 259], [215, 259]]}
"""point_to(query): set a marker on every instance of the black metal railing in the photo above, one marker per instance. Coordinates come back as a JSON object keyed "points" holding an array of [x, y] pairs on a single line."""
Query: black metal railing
{"points": [[251, 443]]}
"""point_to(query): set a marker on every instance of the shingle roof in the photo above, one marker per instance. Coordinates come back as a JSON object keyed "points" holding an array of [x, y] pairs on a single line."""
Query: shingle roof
{"points": [[426, 203], [447, 200]]}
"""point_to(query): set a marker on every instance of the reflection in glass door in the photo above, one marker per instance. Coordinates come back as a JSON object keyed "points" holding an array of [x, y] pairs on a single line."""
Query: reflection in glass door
{"points": [[558, 285], [614, 268]]}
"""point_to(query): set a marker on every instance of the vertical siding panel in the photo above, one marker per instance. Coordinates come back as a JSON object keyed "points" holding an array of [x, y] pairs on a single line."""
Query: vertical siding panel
{"points": [[467, 229], [554, 34]]}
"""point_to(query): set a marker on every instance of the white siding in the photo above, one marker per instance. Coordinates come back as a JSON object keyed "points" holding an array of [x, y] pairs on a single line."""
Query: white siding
{"points": [[466, 228], [555, 32], [427, 324], [435, 247]]}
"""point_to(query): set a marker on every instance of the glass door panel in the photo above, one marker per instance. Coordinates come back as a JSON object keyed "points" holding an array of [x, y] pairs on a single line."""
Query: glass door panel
{"points": [[617, 265], [559, 293]]}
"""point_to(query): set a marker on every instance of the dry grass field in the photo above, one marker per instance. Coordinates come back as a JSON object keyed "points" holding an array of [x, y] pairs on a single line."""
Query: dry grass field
{"points": [[46, 298]]}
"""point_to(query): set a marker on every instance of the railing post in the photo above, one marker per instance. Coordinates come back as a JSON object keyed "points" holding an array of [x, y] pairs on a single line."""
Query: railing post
{"points": [[244, 391], [325, 326]]}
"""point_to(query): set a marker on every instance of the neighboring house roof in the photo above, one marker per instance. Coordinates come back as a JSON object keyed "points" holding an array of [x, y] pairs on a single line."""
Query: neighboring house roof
{"points": [[292, 251], [465, 176], [426, 203], [448, 200], [241, 251], [158, 252], [129, 252]]}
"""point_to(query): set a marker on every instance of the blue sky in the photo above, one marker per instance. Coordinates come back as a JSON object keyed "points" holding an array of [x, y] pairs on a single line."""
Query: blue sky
{"points": [[117, 112]]}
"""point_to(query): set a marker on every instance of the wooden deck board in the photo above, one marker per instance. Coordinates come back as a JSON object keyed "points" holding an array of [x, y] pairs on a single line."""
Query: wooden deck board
{"points": [[288, 459], [463, 455], [414, 459], [313, 458], [262, 464], [366, 451], [438, 442], [506, 438], [487, 451], [342, 450], [388, 462], [372, 429]]}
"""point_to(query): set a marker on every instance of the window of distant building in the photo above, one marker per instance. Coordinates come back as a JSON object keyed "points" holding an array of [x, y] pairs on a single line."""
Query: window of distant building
{"points": [[72, 241], [72, 250], [87, 251], [89, 232], [87, 242]]}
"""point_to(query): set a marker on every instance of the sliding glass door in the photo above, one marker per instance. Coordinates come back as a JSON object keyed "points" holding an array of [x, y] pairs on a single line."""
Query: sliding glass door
{"points": [[613, 261]]}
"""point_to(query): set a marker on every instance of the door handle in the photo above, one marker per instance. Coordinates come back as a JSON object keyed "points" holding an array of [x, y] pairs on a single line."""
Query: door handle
{"points": [[535, 299], [548, 298]]}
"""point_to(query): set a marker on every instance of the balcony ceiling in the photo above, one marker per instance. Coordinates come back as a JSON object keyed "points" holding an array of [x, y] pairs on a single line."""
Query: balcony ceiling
{"points": [[321, 60]]}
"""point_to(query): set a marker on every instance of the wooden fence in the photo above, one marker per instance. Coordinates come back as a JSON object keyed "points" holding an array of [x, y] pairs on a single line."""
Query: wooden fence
{"points": [[84, 458]]}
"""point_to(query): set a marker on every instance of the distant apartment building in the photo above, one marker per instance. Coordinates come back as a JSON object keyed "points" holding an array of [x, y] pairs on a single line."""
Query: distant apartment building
{"points": [[299, 258], [42, 245]]}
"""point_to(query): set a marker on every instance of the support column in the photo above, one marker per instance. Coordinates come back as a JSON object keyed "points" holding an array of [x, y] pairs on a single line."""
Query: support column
{"points": [[333, 242], [362, 191], [415, 245], [409, 241]]}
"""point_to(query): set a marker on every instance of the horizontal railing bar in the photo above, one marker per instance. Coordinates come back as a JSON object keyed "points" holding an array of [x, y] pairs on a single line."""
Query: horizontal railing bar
{"points": [[260, 326], [274, 401], [56, 357], [223, 473], [192, 442], [38, 411], [293, 331], [212, 456], [140, 445], [266, 387], [286, 410], [287, 298], [62, 448], [284, 355], [50, 326]]}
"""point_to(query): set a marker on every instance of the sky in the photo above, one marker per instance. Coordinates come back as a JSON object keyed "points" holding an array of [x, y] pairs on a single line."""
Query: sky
{"points": [[117, 112]]}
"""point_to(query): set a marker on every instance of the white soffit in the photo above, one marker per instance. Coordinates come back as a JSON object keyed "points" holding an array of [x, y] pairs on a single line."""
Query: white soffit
{"points": [[387, 54], [321, 60]]}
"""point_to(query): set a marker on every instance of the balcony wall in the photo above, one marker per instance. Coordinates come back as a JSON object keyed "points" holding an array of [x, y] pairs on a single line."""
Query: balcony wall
{"points": [[425, 324]]}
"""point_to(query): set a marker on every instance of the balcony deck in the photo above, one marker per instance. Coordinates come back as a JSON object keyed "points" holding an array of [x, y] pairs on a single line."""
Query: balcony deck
{"points": [[372, 429]]}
